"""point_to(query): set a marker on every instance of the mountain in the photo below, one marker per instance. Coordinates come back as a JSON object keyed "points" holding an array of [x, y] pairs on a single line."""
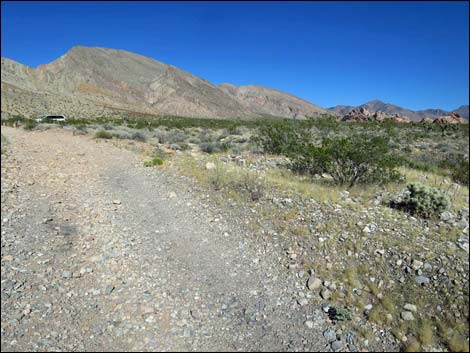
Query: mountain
{"points": [[377, 105], [91, 81], [463, 111]]}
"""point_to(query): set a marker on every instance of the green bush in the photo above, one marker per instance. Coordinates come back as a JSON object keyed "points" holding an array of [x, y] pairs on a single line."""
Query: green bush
{"points": [[153, 162], [460, 172], [458, 166], [421, 200], [102, 134], [281, 137], [348, 160], [30, 125]]}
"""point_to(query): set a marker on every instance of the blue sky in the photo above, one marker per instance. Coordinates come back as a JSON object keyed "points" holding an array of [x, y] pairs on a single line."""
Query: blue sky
{"points": [[413, 54]]}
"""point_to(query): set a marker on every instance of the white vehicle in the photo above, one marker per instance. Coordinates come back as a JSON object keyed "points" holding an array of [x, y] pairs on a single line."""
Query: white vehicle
{"points": [[51, 118]]}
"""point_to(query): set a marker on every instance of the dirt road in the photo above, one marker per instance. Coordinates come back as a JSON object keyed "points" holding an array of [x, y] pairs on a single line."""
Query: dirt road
{"points": [[101, 253]]}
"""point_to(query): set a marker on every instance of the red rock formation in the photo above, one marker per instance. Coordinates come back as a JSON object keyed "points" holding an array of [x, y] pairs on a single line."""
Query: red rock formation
{"points": [[451, 118]]}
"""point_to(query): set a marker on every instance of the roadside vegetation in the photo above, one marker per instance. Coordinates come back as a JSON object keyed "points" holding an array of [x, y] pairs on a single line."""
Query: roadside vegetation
{"points": [[377, 212]]}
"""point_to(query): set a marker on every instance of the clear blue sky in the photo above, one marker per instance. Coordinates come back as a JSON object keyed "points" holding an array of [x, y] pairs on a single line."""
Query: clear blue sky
{"points": [[413, 54]]}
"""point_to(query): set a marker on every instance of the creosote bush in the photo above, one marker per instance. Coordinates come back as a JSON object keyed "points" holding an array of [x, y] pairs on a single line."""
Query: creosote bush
{"points": [[421, 200], [348, 160], [103, 134]]}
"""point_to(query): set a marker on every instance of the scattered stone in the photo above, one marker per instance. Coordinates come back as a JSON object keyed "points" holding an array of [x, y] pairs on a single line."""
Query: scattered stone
{"points": [[410, 307], [309, 324], [407, 316], [446, 216], [66, 274], [27, 310], [336, 345], [325, 294], [302, 301], [116, 202], [422, 280], [330, 335], [417, 264], [313, 283]]}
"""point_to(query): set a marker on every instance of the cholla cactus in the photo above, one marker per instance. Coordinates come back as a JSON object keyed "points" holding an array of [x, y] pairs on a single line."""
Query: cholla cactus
{"points": [[422, 200]]}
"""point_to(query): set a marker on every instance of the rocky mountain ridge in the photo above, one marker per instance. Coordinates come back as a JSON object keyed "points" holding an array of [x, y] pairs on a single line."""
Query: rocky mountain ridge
{"points": [[89, 81], [390, 109]]}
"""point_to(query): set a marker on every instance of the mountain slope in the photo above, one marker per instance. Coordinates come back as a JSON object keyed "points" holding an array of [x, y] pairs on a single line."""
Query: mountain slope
{"points": [[267, 101], [117, 79], [463, 111], [377, 105]]}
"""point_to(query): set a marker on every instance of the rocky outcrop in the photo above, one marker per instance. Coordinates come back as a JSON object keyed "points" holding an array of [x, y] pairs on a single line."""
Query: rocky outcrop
{"points": [[359, 114], [362, 114], [390, 109], [451, 118], [426, 121]]}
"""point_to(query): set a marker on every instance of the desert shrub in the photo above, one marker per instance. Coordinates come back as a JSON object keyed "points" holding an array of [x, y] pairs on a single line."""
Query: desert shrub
{"points": [[161, 136], [81, 127], [122, 135], [160, 153], [421, 200], [30, 124], [213, 147], [458, 166], [460, 172], [252, 185], [184, 146], [194, 140], [14, 120], [176, 136], [153, 162], [208, 147], [102, 134], [348, 160], [138, 136], [281, 137], [339, 314], [420, 165]]}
